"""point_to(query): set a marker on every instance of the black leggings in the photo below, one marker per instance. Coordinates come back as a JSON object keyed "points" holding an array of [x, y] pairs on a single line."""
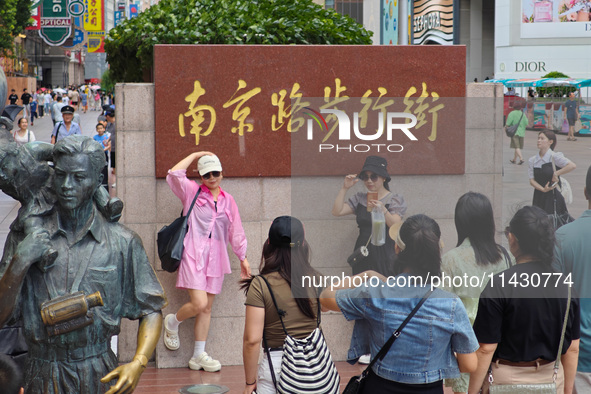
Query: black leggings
{"points": [[376, 385]]}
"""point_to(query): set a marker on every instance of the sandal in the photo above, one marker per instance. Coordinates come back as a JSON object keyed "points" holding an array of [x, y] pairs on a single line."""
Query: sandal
{"points": [[171, 338], [521, 162], [512, 161]]}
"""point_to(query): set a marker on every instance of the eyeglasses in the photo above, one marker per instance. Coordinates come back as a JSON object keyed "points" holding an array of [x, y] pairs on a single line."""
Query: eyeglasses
{"points": [[364, 177], [215, 174]]}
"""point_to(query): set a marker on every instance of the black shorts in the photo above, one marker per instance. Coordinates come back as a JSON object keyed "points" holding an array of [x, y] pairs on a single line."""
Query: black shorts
{"points": [[112, 159], [571, 121]]}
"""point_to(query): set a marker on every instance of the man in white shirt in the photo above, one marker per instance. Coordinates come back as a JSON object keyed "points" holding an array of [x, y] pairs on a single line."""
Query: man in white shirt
{"points": [[56, 111]]}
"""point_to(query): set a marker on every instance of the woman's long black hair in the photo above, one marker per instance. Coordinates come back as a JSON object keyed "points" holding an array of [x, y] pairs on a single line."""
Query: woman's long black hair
{"points": [[475, 220], [534, 232], [422, 252], [292, 263]]}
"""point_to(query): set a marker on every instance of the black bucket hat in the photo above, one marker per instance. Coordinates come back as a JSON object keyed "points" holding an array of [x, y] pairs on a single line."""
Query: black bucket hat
{"points": [[378, 165], [286, 231]]}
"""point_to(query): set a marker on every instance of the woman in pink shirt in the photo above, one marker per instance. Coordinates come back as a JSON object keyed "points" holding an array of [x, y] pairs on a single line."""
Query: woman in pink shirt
{"points": [[214, 222]]}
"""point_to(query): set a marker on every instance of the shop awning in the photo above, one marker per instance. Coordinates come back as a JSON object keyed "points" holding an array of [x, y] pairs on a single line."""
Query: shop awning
{"points": [[542, 82]]}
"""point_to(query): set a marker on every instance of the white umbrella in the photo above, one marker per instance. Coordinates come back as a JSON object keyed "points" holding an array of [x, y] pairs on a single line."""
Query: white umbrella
{"points": [[95, 87], [60, 90]]}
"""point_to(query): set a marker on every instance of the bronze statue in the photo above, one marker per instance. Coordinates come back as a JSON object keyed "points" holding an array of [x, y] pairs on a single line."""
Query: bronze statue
{"points": [[70, 307]]}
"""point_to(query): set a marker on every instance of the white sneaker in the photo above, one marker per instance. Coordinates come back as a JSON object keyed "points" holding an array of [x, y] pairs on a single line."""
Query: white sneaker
{"points": [[205, 362], [365, 359]]}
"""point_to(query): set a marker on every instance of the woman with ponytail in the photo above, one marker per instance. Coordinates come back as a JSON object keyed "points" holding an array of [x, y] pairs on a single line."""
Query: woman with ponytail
{"points": [[284, 264], [436, 344], [521, 313]]}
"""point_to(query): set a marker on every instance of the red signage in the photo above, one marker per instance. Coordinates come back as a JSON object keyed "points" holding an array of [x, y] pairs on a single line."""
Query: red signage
{"points": [[36, 19], [266, 110]]}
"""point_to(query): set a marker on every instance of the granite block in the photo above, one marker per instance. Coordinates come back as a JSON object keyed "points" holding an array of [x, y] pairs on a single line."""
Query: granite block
{"points": [[127, 340], [140, 200], [248, 194], [138, 157], [480, 112], [481, 151], [276, 197], [135, 106], [420, 190], [331, 241], [168, 206], [147, 235], [313, 197], [337, 332], [255, 240], [482, 89]]}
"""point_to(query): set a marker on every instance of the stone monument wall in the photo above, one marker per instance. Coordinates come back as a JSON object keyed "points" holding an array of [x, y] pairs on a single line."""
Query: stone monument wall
{"points": [[149, 205]]}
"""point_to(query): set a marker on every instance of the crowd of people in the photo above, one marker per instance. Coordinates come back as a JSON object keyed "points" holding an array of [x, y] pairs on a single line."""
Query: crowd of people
{"points": [[469, 337], [64, 107], [466, 336], [41, 102]]}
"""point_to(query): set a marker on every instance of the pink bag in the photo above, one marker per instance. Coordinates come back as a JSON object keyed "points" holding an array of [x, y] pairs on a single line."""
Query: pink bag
{"points": [[565, 127]]}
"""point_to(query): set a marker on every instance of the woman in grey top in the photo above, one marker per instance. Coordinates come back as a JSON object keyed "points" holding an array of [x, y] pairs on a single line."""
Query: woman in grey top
{"points": [[374, 175]]}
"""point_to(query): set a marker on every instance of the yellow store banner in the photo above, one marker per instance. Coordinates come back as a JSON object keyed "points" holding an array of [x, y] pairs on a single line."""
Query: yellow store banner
{"points": [[94, 16]]}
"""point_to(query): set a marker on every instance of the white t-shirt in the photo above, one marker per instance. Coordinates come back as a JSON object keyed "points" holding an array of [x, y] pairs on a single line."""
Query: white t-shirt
{"points": [[29, 137]]}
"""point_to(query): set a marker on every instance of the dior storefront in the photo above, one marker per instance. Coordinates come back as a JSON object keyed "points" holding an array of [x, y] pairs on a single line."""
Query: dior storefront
{"points": [[533, 38]]}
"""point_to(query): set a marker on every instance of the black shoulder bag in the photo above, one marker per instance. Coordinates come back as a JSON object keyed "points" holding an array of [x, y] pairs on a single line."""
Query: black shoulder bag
{"points": [[170, 240], [355, 384], [511, 130]]}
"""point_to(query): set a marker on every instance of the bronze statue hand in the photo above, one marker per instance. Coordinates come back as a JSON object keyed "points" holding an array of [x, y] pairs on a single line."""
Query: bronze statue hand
{"points": [[128, 377], [33, 248]]}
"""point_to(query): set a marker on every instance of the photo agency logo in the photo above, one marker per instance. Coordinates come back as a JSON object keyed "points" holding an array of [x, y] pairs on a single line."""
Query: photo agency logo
{"points": [[373, 131]]}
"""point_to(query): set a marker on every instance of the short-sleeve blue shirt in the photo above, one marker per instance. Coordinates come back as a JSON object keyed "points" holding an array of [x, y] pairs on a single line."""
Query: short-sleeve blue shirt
{"points": [[63, 132], [428, 342]]}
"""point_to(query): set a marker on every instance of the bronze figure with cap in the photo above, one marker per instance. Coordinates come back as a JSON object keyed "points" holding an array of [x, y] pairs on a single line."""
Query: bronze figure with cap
{"points": [[101, 274]]}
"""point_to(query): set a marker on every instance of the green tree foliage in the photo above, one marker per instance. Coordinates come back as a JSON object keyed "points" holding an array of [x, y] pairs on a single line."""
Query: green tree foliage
{"points": [[130, 45], [555, 91], [107, 83], [555, 74], [14, 17]]}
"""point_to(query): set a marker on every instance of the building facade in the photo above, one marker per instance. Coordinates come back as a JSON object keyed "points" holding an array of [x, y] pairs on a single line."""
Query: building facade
{"points": [[534, 38]]}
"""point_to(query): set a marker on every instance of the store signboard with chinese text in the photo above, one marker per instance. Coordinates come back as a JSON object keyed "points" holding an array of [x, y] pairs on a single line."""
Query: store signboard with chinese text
{"points": [[435, 22], [252, 105], [94, 24]]}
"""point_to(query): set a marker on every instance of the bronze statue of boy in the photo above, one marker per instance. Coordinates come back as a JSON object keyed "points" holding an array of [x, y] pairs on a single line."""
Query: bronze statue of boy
{"points": [[70, 310]]}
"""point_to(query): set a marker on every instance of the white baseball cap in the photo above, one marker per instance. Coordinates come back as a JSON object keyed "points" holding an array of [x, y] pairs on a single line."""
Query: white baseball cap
{"points": [[208, 163]]}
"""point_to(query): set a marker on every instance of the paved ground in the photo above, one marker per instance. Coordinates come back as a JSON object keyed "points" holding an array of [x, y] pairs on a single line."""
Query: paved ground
{"points": [[516, 192]]}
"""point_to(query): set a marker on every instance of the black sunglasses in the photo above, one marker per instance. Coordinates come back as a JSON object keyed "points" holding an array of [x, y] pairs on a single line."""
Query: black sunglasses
{"points": [[215, 174], [364, 177]]}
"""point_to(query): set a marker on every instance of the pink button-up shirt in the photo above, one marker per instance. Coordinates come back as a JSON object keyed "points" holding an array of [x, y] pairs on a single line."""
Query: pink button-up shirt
{"points": [[210, 230]]}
